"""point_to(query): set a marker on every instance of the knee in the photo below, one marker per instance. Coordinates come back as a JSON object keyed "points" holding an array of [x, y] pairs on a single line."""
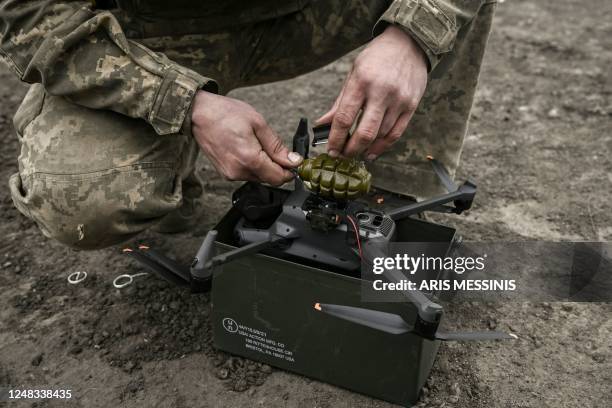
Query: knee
{"points": [[94, 211]]}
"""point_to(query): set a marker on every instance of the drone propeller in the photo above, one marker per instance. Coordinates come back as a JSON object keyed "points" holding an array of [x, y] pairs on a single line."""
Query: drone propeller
{"points": [[394, 324], [387, 322], [159, 264]]}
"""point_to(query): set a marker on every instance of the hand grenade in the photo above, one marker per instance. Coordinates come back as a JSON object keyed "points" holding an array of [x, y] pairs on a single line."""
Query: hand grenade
{"points": [[335, 177]]}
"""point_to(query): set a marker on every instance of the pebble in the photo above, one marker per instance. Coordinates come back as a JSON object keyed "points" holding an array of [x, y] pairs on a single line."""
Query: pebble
{"points": [[222, 373], [553, 113], [455, 390], [76, 350], [37, 360]]}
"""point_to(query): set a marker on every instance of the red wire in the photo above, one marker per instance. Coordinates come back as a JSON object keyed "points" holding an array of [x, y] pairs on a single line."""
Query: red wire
{"points": [[357, 236]]}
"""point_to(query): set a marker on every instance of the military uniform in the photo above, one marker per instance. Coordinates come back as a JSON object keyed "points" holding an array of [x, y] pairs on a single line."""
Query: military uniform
{"points": [[106, 149]]}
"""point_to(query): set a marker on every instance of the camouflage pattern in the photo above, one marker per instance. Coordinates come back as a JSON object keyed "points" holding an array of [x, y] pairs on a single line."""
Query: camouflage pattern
{"points": [[440, 122], [106, 144], [92, 178], [335, 177]]}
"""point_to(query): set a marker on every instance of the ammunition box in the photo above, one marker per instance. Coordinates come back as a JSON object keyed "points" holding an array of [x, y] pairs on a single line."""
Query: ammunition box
{"points": [[263, 310]]}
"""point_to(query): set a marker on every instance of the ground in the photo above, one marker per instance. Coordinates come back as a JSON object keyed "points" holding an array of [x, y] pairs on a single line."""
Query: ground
{"points": [[540, 147]]}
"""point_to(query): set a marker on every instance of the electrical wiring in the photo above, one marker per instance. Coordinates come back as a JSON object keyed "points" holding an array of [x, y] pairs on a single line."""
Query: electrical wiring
{"points": [[357, 236]]}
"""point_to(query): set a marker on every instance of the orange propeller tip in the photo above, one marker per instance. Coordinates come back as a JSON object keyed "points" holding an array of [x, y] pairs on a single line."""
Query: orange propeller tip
{"points": [[143, 247], [429, 157], [127, 250], [317, 306]]}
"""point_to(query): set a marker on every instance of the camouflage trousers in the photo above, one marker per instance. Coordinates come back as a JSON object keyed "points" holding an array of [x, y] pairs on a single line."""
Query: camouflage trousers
{"points": [[92, 178]]}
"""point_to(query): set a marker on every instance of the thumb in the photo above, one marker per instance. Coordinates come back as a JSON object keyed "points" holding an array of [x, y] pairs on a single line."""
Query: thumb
{"points": [[327, 117], [276, 149]]}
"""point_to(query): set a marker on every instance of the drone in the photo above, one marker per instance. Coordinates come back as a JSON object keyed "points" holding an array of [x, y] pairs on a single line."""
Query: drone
{"points": [[325, 225]]}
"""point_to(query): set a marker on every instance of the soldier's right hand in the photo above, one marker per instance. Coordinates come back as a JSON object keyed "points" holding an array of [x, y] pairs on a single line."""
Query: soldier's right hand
{"points": [[239, 142]]}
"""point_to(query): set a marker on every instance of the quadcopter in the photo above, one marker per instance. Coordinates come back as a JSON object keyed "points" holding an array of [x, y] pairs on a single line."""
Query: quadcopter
{"points": [[328, 226]]}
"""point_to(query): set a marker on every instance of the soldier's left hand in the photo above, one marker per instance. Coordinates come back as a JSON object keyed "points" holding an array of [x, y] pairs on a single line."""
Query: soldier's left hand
{"points": [[386, 84]]}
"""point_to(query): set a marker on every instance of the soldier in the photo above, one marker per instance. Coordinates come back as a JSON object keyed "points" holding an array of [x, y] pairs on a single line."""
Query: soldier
{"points": [[125, 93]]}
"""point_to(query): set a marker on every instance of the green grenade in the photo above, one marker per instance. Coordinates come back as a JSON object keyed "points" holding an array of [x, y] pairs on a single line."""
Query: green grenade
{"points": [[338, 178]]}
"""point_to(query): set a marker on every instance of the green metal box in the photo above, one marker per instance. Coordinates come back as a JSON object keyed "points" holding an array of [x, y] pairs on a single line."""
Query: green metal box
{"points": [[263, 310]]}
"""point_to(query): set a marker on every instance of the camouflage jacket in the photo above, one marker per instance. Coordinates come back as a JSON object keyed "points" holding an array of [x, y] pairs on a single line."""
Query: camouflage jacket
{"points": [[45, 41]]}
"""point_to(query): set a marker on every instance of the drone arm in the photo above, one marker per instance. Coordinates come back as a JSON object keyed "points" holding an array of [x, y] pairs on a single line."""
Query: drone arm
{"points": [[244, 251], [204, 261], [463, 196], [429, 312], [199, 267]]}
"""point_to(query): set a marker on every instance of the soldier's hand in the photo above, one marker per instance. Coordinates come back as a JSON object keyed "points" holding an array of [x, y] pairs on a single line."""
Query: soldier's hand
{"points": [[239, 142], [386, 84]]}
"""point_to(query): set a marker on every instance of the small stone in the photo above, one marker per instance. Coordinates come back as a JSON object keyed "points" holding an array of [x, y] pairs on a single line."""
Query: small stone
{"points": [[76, 350], [444, 367], [222, 373], [455, 390], [37, 360], [567, 307], [266, 369], [553, 113]]}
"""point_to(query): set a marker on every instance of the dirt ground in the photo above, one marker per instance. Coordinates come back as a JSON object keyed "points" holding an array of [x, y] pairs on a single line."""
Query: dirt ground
{"points": [[539, 145]]}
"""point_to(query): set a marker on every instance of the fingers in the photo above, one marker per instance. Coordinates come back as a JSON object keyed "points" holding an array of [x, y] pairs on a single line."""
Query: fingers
{"points": [[267, 171], [274, 146], [383, 143], [329, 115], [344, 117], [391, 116], [366, 131]]}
